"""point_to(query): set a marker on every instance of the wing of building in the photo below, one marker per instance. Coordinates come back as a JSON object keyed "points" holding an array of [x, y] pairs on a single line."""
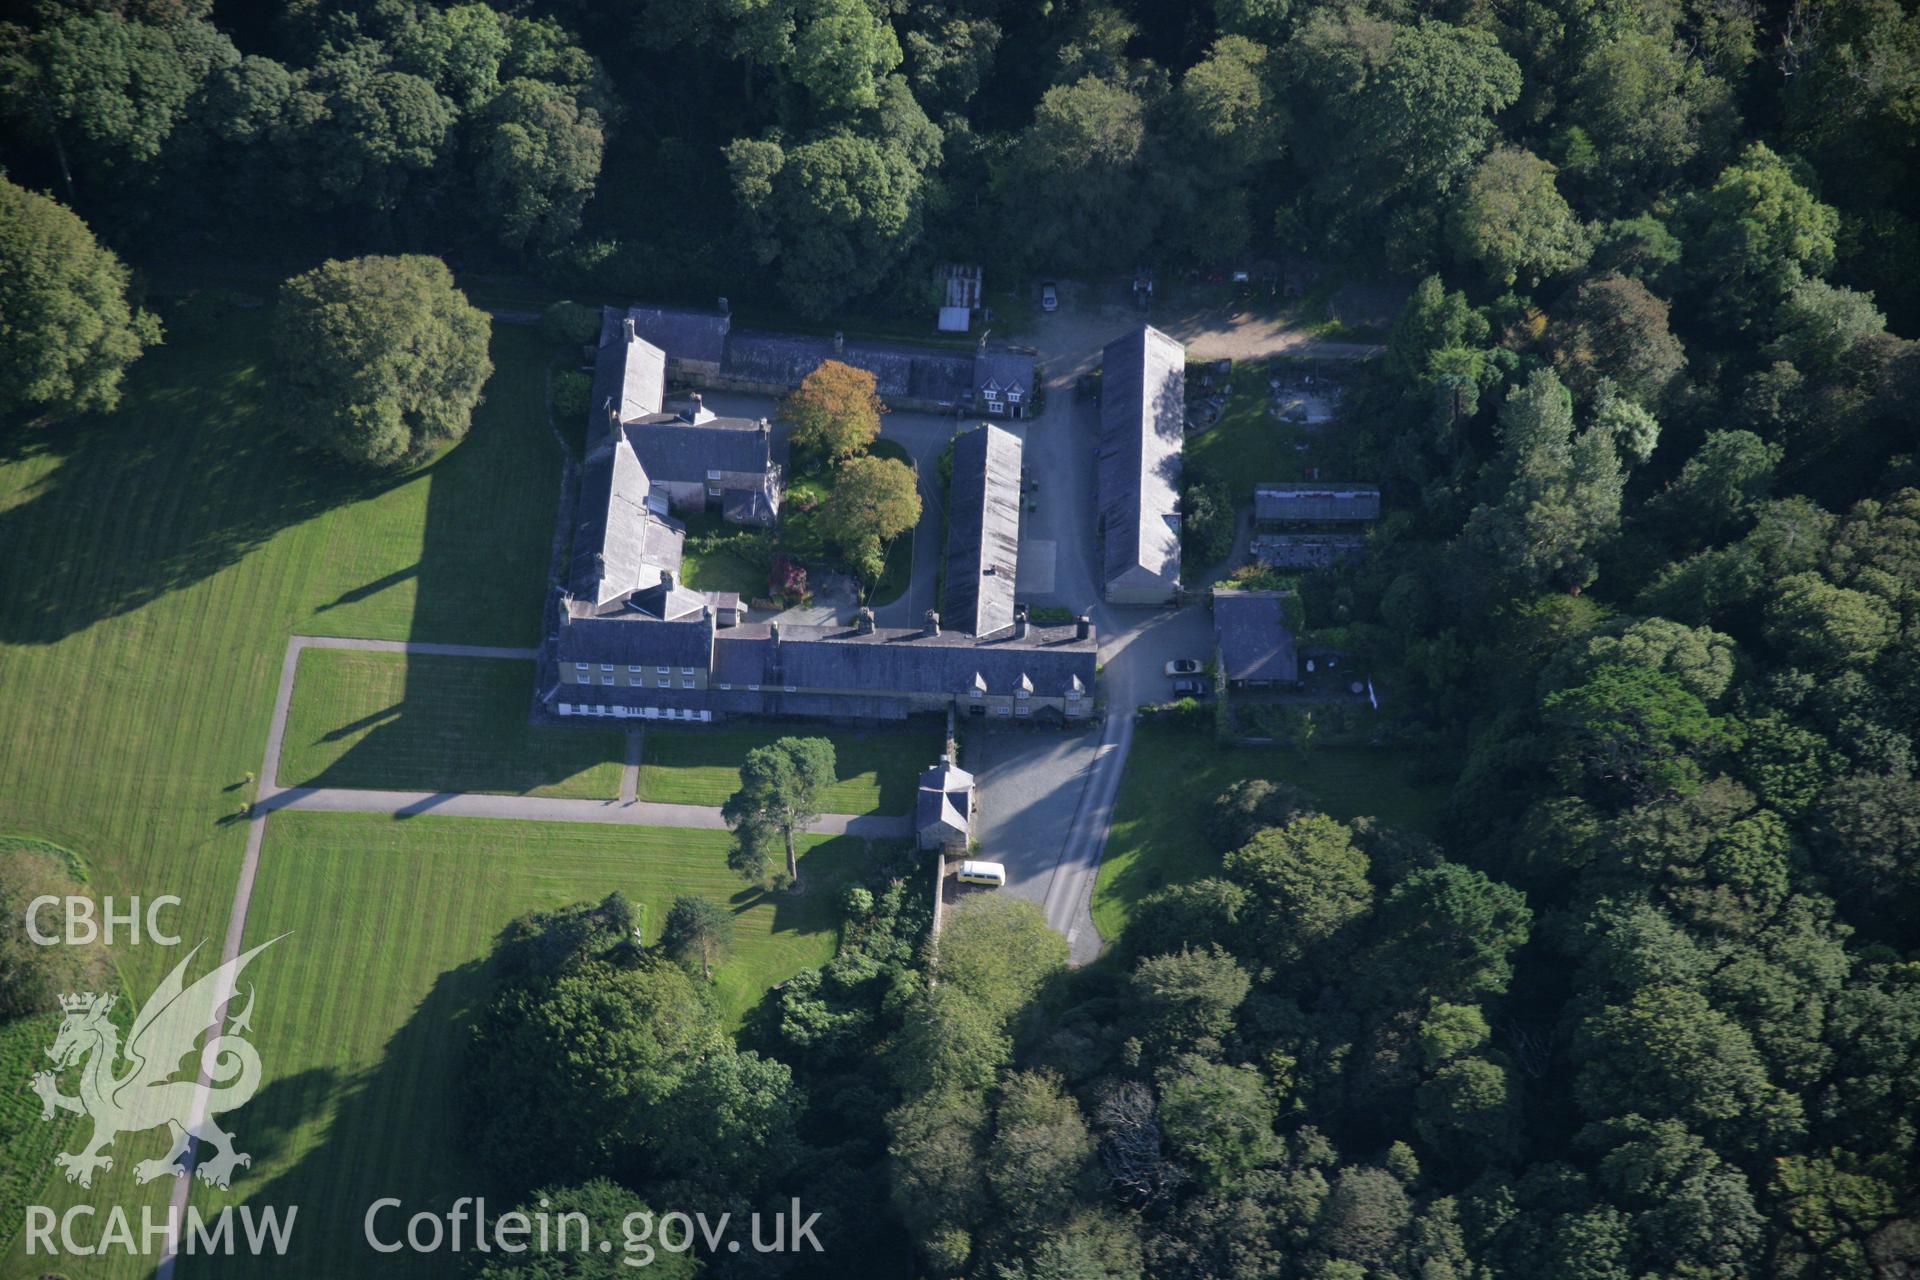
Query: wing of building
{"points": [[983, 532], [1142, 427]]}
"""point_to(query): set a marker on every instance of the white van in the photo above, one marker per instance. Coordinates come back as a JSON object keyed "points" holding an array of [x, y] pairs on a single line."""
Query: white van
{"points": [[983, 873]]}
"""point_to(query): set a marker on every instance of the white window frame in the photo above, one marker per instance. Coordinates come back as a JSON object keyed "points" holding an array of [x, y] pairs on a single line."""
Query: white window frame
{"points": [[606, 667], [583, 666], [635, 671], [663, 682], [686, 671], [686, 682], [665, 671], [605, 678]]}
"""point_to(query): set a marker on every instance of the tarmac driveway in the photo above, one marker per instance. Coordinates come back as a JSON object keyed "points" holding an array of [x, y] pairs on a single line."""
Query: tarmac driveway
{"points": [[1030, 788]]}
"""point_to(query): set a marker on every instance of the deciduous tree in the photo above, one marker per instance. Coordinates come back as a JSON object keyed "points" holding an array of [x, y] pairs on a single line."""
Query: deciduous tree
{"points": [[381, 359], [69, 333], [781, 789], [835, 410]]}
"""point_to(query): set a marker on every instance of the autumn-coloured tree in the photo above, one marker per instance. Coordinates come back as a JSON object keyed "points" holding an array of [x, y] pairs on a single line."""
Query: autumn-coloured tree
{"points": [[835, 411]]}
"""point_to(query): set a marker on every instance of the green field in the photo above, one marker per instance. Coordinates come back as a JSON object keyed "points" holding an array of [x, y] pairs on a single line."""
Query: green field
{"points": [[424, 722], [878, 769], [158, 558], [1173, 774], [363, 1006]]}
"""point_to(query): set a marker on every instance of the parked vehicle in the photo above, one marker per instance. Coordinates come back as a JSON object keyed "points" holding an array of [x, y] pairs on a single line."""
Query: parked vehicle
{"points": [[1192, 688], [1184, 667], [1049, 296], [987, 873]]}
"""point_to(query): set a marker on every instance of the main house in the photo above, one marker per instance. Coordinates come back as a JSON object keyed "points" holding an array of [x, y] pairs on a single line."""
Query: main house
{"points": [[1143, 390], [704, 347], [630, 640], [691, 459]]}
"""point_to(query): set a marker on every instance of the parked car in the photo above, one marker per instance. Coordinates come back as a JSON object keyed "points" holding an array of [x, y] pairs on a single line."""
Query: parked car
{"points": [[1049, 296], [993, 874], [1192, 688], [1184, 667]]}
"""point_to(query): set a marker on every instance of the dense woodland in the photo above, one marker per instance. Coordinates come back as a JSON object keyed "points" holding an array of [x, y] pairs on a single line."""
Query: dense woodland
{"points": [[1647, 427]]}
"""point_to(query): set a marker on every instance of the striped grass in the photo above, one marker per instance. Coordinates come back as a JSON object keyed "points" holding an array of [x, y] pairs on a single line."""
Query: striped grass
{"points": [[154, 562], [878, 770], [429, 722], [363, 1006]]}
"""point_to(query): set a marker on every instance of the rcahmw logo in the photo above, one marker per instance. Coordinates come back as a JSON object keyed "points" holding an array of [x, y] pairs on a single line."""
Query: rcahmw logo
{"points": [[144, 1095], [70, 1233]]}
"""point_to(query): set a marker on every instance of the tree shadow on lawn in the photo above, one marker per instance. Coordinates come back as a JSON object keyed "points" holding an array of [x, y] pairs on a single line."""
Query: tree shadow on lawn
{"points": [[397, 1130], [187, 478]]}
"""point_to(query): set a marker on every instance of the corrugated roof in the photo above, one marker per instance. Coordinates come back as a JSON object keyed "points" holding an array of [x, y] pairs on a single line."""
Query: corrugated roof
{"points": [[1255, 641], [1142, 426], [983, 532]]}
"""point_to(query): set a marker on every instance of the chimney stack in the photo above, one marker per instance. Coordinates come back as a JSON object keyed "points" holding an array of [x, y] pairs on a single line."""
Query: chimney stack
{"points": [[629, 328], [1083, 627], [1020, 623], [839, 341], [863, 622], [724, 310], [933, 622], [666, 579], [773, 633], [613, 418]]}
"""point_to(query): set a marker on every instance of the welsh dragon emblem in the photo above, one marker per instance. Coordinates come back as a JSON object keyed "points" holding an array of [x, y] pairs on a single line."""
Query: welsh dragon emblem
{"points": [[145, 1095]]}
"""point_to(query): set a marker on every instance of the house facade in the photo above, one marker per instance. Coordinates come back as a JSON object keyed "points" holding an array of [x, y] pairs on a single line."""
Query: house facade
{"points": [[1142, 429]]}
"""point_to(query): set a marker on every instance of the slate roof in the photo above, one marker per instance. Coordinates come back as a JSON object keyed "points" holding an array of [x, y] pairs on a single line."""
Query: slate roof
{"points": [[619, 544], [1316, 502], [675, 450], [684, 333], [1142, 425], [901, 660], [1004, 369], [1255, 641], [983, 532], [902, 372], [629, 374], [945, 798], [632, 639]]}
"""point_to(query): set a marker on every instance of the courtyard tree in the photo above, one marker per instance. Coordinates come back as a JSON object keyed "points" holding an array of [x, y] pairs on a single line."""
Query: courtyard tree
{"points": [[382, 358], [835, 411], [697, 929], [874, 501], [781, 787], [68, 332]]}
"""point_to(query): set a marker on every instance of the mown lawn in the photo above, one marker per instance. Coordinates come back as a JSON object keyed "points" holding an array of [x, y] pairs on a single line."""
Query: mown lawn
{"points": [[156, 560], [1173, 774], [426, 722], [363, 1008], [728, 565], [878, 769]]}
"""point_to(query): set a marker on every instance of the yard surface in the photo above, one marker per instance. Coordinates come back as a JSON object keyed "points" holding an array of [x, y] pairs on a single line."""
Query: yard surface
{"points": [[423, 722], [878, 770], [729, 565], [364, 1005], [1173, 774]]}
